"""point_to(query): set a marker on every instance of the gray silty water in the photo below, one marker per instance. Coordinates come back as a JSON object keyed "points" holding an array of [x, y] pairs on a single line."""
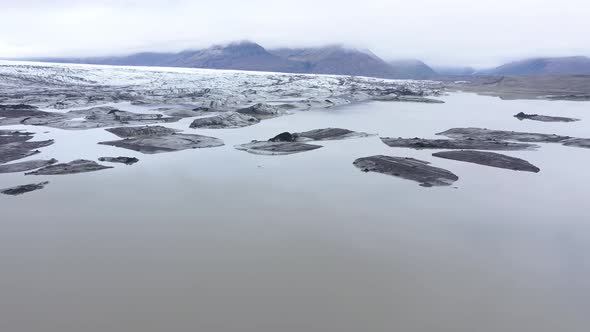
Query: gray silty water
{"points": [[221, 240]]}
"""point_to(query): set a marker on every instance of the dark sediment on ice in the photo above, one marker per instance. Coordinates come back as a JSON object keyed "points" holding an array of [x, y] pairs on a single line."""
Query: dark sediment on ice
{"points": [[25, 166], [502, 135], [276, 148], [180, 112], [468, 143], [262, 111], [73, 167], [165, 143], [325, 134], [225, 120], [407, 168], [489, 159], [13, 136], [95, 117], [120, 160], [126, 132], [543, 118], [17, 114], [578, 143], [15, 145], [19, 190]]}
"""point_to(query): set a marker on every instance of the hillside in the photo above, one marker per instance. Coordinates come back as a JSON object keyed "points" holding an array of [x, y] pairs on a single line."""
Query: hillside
{"points": [[577, 65], [336, 60], [412, 69]]}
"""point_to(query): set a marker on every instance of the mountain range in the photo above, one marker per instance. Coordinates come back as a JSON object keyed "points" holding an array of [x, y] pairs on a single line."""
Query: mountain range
{"points": [[575, 65], [336, 60]]}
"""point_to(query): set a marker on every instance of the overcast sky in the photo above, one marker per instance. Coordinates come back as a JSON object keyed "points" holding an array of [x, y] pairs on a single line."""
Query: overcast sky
{"points": [[440, 32]]}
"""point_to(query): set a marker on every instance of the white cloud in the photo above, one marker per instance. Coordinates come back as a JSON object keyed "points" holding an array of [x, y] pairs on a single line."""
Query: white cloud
{"points": [[464, 32]]}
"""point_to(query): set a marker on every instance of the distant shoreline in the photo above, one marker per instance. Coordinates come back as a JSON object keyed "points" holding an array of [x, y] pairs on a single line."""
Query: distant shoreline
{"points": [[547, 87]]}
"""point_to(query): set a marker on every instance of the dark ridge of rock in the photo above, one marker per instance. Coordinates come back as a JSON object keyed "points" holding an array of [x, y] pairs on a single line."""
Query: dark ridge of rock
{"points": [[489, 159], [578, 143], [73, 167], [25, 166], [325, 134], [284, 137], [502, 135], [329, 134], [225, 120], [18, 150], [165, 143], [9, 132], [121, 160], [455, 144], [126, 132], [261, 111], [413, 99], [544, 118], [407, 168], [19, 190], [276, 148]]}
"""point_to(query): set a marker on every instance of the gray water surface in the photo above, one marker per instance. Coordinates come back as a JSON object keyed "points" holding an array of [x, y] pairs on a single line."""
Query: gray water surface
{"points": [[222, 240]]}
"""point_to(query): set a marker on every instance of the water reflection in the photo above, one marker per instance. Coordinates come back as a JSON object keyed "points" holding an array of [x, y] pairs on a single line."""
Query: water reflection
{"points": [[221, 240]]}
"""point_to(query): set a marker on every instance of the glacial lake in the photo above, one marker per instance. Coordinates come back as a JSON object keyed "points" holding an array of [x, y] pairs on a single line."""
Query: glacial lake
{"points": [[222, 240]]}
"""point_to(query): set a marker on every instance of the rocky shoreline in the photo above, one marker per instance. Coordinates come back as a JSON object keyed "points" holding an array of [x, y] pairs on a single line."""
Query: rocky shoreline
{"points": [[545, 87]]}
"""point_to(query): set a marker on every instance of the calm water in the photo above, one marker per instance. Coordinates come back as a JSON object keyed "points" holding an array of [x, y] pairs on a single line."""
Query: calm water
{"points": [[222, 240]]}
